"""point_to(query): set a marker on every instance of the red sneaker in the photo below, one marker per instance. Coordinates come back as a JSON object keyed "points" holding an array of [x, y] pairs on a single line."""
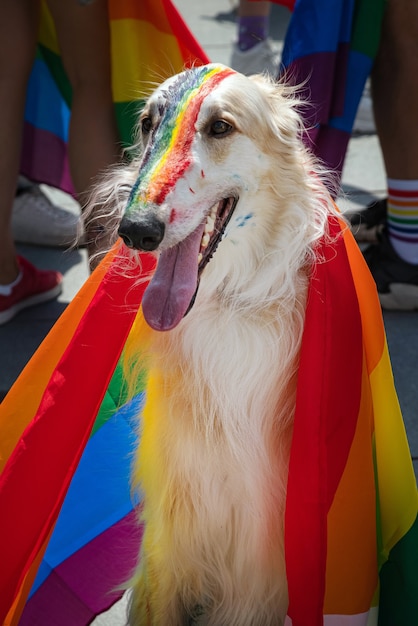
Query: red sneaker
{"points": [[34, 287]]}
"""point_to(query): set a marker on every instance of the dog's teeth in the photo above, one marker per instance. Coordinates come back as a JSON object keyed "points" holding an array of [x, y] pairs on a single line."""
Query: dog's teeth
{"points": [[205, 240], [199, 257], [209, 226]]}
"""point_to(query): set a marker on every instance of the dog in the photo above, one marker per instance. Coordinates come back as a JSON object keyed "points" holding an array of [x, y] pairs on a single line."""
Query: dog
{"points": [[233, 206]]}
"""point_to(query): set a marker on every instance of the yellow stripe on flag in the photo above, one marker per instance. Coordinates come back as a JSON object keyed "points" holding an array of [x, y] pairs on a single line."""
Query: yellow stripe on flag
{"points": [[397, 487], [133, 67]]}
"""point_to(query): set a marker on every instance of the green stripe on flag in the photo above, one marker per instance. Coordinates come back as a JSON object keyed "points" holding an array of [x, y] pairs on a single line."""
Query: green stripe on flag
{"points": [[398, 605]]}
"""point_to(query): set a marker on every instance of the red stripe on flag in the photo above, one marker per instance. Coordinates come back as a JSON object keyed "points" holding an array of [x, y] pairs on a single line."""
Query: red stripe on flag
{"points": [[37, 475], [327, 405]]}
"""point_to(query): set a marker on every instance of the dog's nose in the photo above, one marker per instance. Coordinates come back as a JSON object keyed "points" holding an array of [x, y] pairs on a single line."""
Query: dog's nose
{"points": [[143, 234]]}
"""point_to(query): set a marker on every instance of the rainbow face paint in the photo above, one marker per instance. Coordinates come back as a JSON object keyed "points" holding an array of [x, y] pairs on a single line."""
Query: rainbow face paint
{"points": [[168, 153]]}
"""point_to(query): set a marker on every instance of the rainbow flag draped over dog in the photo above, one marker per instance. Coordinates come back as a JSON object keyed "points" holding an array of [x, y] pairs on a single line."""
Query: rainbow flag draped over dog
{"points": [[71, 430], [149, 42], [351, 514], [329, 49], [67, 425]]}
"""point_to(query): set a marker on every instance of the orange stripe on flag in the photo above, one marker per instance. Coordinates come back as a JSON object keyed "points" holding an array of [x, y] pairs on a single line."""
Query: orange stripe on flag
{"points": [[371, 318], [152, 12], [139, 74], [351, 550], [16, 409]]}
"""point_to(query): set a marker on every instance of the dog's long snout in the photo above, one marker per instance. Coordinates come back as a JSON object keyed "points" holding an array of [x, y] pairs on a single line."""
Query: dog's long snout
{"points": [[142, 234]]}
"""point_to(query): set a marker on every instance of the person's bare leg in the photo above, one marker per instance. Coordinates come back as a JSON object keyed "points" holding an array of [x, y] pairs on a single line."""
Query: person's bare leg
{"points": [[253, 52], [395, 89], [395, 97], [248, 8], [253, 23], [18, 31], [84, 40]]}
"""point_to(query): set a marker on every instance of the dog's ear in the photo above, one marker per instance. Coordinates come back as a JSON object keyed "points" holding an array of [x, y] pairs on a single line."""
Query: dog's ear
{"points": [[283, 107]]}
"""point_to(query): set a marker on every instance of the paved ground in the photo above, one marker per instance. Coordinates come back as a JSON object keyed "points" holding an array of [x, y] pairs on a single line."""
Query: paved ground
{"points": [[363, 179]]}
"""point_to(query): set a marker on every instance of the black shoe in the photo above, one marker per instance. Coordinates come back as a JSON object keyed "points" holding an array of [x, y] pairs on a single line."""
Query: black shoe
{"points": [[366, 224], [396, 280]]}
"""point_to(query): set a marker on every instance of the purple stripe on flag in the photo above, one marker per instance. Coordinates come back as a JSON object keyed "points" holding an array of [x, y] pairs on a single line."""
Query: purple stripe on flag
{"points": [[330, 145], [326, 73], [44, 158], [86, 584]]}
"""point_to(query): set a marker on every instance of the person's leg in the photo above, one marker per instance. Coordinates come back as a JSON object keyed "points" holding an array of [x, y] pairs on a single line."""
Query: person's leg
{"points": [[395, 95], [18, 30], [394, 261], [253, 23], [253, 51], [395, 89], [84, 40], [21, 284]]}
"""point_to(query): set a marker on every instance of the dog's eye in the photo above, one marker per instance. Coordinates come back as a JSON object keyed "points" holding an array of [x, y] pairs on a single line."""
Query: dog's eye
{"points": [[146, 125], [220, 128]]}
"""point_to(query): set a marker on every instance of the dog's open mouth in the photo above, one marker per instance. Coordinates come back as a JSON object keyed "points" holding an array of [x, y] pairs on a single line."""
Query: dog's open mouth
{"points": [[173, 288], [215, 225]]}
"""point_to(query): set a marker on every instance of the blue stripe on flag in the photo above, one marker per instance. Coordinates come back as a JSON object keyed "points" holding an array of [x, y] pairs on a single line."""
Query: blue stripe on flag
{"points": [[99, 494], [45, 107]]}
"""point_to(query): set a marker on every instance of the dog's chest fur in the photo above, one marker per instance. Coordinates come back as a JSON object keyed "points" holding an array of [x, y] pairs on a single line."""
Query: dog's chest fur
{"points": [[218, 480]]}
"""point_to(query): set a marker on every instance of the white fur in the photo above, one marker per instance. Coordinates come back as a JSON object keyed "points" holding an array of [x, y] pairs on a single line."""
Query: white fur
{"points": [[214, 504]]}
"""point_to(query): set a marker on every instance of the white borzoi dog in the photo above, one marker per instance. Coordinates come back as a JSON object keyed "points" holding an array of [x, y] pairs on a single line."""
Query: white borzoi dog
{"points": [[228, 198]]}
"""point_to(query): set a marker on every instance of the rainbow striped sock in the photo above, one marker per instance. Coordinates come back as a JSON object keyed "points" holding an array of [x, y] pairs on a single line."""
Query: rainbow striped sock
{"points": [[402, 219]]}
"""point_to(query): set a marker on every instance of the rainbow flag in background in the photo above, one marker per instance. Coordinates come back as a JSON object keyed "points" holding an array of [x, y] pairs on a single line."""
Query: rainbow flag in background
{"points": [[149, 42], [330, 48], [67, 437]]}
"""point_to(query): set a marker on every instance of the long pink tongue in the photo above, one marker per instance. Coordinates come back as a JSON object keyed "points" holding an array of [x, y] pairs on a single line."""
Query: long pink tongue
{"points": [[173, 285]]}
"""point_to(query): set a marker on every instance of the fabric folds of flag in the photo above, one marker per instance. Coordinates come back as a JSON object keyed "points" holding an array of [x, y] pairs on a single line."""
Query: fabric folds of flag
{"points": [[68, 401], [351, 513], [68, 535], [149, 42], [329, 50]]}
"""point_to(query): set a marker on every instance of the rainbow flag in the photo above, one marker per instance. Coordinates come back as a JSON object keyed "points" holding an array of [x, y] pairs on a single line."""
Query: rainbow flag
{"points": [[149, 42], [329, 48], [67, 436], [351, 515], [66, 439]]}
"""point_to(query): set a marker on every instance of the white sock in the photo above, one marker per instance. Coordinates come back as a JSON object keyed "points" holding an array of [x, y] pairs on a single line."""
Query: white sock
{"points": [[6, 290]]}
